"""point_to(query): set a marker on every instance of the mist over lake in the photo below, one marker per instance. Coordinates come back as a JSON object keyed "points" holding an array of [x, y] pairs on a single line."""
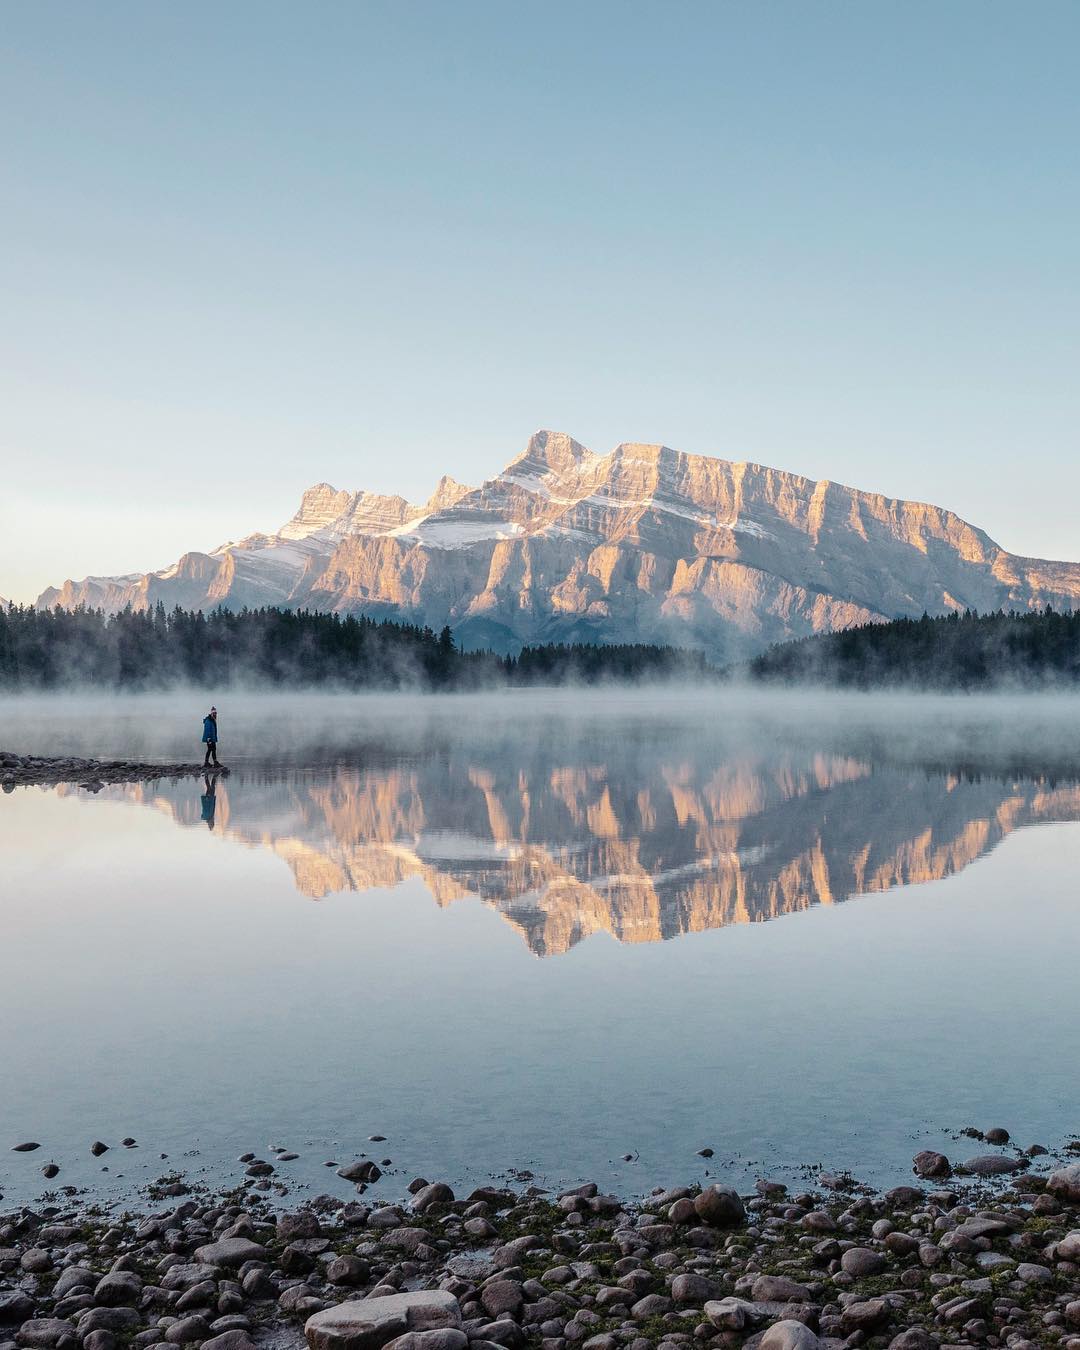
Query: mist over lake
{"points": [[541, 930]]}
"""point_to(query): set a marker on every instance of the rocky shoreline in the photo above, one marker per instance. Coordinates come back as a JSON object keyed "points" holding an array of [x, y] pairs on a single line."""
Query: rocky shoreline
{"points": [[990, 1257], [91, 774]]}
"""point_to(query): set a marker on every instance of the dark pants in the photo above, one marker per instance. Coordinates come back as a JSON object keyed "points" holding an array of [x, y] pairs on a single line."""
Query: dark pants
{"points": [[211, 749]]}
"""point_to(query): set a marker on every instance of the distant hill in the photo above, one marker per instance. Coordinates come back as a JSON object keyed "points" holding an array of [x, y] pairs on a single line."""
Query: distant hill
{"points": [[645, 544], [958, 651]]}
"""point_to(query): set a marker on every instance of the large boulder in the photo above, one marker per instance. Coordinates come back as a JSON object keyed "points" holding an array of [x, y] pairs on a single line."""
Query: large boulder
{"points": [[720, 1206], [368, 1324]]}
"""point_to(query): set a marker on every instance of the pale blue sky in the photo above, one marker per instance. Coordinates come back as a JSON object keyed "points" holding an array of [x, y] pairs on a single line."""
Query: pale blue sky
{"points": [[250, 246]]}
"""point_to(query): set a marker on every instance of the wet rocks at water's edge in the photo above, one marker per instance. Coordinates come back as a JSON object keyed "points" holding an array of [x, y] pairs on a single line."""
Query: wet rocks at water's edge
{"points": [[92, 774], [914, 1268]]}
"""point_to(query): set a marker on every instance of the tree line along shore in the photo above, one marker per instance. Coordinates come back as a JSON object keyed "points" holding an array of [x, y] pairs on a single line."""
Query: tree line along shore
{"points": [[280, 648]]}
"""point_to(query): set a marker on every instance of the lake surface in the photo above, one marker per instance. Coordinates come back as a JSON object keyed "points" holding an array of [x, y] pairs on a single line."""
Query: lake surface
{"points": [[540, 931]]}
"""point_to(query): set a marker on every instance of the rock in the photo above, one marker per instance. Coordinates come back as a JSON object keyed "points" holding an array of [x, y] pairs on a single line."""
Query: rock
{"points": [[865, 1316], [28, 1147], [301, 1224], [959, 1310], [510, 1253], [904, 1197], [692, 1288], [992, 1164], [295, 1261], [235, 1339], [437, 1193], [1068, 1249], [1031, 1273], [788, 1335], [930, 1164], [35, 1261], [42, 1333], [408, 1239], [97, 1148], [348, 1270], [651, 1305], [15, 1306], [361, 1170], [976, 1228], [368, 1324], [49, 1171], [121, 1286], [682, 1210], [818, 1221], [200, 1295], [256, 1283], [187, 1329], [230, 1252], [914, 1338], [440, 1338], [731, 1314], [1065, 1183], [720, 1206], [997, 1136], [860, 1262], [120, 1319], [502, 1296], [778, 1289]]}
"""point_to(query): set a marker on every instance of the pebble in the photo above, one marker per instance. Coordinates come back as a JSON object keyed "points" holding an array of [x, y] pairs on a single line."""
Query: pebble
{"points": [[903, 1269]]}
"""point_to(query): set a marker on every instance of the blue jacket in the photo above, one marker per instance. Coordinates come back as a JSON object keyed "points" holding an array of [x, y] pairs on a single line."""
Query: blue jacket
{"points": [[209, 729]]}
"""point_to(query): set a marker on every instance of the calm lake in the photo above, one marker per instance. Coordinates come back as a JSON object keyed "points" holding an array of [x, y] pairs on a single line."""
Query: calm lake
{"points": [[540, 931]]}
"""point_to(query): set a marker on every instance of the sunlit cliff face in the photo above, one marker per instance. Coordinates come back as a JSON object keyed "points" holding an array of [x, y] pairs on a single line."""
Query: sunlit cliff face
{"points": [[639, 841]]}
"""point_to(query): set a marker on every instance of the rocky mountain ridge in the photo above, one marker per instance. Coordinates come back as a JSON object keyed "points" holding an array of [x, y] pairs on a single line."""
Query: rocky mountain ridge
{"points": [[561, 850], [645, 543]]}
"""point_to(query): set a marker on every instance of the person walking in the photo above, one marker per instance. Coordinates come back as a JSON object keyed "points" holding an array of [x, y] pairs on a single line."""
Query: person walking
{"points": [[209, 735]]}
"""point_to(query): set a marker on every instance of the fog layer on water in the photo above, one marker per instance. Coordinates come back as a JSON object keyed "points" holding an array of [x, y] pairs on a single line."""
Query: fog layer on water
{"points": [[991, 732], [540, 929]]}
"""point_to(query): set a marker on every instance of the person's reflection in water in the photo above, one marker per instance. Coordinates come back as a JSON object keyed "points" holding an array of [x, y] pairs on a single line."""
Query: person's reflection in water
{"points": [[209, 800]]}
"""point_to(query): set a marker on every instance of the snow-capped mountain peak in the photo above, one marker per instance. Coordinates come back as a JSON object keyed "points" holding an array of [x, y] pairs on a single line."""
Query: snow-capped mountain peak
{"points": [[645, 543]]}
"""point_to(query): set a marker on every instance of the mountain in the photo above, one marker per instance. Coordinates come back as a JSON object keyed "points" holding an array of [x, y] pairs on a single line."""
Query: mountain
{"points": [[644, 544], [644, 844]]}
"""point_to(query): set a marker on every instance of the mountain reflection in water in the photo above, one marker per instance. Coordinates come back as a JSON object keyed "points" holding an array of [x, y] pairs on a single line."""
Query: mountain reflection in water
{"points": [[640, 841]]}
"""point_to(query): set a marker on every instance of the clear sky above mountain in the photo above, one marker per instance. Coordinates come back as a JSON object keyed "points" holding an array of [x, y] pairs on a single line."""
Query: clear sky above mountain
{"points": [[250, 246]]}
